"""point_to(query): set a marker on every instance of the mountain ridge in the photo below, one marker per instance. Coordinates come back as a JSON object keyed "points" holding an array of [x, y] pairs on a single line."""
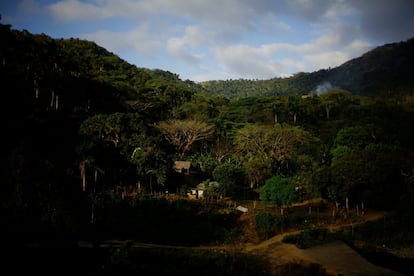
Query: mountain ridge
{"points": [[382, 70]]}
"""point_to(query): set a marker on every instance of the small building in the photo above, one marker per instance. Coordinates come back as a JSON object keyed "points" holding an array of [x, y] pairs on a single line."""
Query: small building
{"points": [[182, 167], [198, 192], [195, 193]]}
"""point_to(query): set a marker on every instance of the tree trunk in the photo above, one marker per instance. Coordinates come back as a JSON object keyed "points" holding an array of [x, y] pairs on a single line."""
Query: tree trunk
{"points": [[347, 204], [362, 208], [93, 197], [52, 101], [328, 111], [82, 168], [36, 87]]}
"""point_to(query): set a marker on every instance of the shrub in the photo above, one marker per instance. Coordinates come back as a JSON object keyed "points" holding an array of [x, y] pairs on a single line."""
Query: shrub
{"points": [[267, 225]]}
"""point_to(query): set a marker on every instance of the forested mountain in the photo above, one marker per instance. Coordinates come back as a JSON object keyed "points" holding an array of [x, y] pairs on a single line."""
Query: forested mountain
{"points": [[50, 87], [90, 144], [83, 75], [385, 70]]}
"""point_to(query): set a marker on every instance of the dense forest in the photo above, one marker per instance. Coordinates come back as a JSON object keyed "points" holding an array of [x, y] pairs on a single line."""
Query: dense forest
{"points": [[90, 142]]}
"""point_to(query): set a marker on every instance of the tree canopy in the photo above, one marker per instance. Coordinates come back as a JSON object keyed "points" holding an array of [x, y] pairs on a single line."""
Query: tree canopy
{"points": [[79, 121]]}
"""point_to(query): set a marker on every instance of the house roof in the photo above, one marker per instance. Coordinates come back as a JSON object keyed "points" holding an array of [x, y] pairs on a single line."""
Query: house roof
{"points": [[180, 165]]}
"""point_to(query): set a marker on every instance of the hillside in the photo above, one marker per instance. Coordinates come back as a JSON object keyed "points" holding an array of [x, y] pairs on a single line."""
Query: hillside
{"points": [[49, 88], [90, 144], [386, 69], [77, 76], [383, 70]]}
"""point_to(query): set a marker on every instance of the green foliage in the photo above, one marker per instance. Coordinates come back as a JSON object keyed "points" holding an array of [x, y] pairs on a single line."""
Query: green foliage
{"points": [[385, 71], [182, 134], [366, 175], [279, 191], [278, 142], [128, 260], [354, 137], [300, 83], [340, 151], [206, 163], [145, 220], [69, 102], [258, 169], [231, 177], [267, 225], [124, 137], [309, 237]]}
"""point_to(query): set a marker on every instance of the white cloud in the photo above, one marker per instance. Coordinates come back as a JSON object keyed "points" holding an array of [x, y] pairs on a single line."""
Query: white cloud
{"points": [[73, 10], [247, 61], [324, 60], [283, 59], [139, 39], [177, 48], [183, 47], [357, 47], [234, 38]]}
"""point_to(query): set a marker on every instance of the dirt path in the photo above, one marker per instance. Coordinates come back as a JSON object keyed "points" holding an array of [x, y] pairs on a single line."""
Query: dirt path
{"points": [[336, 257], [371, 216]]}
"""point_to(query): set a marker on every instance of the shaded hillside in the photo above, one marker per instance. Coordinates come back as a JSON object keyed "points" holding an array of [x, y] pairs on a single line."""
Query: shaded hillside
{"points": [[387, 69], [90, 143], [77, 75], [49, 88]]}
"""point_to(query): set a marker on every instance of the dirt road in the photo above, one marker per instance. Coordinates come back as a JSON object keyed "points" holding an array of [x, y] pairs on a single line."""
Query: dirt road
{"points": [[336, 257]]}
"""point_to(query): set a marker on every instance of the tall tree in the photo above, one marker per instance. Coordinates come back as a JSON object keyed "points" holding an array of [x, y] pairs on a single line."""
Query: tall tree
{"points": [[183, 133], [230, 175], [295, 106], [278, 106], [278, 142], [279, 192], [333, 99], [265, 148]]}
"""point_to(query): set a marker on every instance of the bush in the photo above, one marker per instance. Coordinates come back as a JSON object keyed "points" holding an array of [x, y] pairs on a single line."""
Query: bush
{"points": [[307, 238], [267, 225]]}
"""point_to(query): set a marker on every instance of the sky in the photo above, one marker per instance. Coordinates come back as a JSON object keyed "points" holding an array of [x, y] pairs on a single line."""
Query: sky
{"points": [[204, 40]]}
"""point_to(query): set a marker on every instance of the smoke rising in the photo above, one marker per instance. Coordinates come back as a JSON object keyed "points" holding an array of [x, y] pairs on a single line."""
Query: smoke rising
{"points": [[323, 87]]}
